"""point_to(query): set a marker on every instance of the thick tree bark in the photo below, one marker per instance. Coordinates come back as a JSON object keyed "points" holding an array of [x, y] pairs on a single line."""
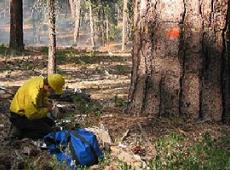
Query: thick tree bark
{"points": [[214, 15], [178, 59], [52, 38], [77, 20], [16, 25], [124, 25], [192, 60], [226, 73]]}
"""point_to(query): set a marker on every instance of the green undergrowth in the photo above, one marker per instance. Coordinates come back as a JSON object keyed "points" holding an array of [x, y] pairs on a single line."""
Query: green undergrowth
{"points": [[174, 153], [86, 107]]}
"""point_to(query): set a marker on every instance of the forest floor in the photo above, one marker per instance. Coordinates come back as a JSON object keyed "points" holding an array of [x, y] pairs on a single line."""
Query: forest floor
{"points": [[105, 76]]}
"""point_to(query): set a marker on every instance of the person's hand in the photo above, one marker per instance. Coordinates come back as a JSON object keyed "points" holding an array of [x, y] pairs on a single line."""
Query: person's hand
{"points": [[50, 107]]}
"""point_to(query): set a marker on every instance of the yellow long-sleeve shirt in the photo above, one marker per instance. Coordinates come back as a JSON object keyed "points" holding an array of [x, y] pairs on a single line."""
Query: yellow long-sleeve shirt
{"points": [[30, 99]]}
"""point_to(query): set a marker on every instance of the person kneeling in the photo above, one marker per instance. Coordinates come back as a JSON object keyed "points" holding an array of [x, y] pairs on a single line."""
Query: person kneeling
{"points": [[30, 108]]}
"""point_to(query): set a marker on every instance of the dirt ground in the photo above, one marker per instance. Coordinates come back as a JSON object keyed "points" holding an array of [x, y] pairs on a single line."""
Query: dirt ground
{"points": [[106, 77]]}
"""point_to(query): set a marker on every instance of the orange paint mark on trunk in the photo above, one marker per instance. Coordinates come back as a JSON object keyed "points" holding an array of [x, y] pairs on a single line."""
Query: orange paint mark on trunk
{"points": [[173, 33]]}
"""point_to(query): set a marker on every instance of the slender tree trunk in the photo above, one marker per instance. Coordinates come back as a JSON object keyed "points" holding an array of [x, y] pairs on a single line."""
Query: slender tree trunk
{"points": [[72, 8], [9, 2], [118, 12], [52, 38], [179, 63], [77, 20], [124, 25], [35, 32], [67, 9], [91, 26], [5, 9], [107, 29], [101, 19], [34, 29], [16, 25]]}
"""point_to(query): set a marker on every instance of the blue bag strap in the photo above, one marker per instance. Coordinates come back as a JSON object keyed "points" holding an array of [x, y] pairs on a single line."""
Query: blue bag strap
{"points": [[75, 157]]}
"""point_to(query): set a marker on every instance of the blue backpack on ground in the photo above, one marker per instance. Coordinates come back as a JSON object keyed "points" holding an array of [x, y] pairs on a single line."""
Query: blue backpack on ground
{"points": [[75, 147]]}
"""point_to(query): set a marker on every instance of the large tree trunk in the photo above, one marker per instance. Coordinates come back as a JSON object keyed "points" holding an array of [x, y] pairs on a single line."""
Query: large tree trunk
{"points": [[214, 17], [52, 38], [16, 25], [178, 59], [77, 20], [226, 77], [124, 25], [191, 83]]}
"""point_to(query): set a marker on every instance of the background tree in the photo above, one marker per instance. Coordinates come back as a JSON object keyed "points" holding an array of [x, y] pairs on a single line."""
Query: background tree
{"points": [[110, 20], [5, 10], [77, 19], [106, 28], [72, 8], [91, 24], [38, 12], [101, 21], [16, 25], [124, 24], [52, 38], [178, 54]]}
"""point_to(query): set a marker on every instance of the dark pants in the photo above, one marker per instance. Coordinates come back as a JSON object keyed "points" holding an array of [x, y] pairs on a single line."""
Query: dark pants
{"points": [[34, 129]]}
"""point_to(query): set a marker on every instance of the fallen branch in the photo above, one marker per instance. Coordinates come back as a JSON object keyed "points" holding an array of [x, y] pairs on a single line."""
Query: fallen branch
{"points": [[124, 135]]}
